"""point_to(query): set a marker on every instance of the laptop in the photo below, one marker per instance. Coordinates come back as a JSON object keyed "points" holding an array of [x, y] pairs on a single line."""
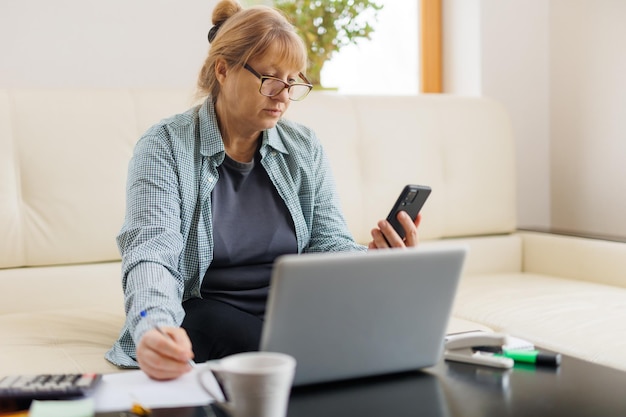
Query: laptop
{"points": [[345, 315]]}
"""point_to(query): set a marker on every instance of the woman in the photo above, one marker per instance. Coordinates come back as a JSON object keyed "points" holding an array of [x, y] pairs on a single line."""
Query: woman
{"points": [[215, 194]]}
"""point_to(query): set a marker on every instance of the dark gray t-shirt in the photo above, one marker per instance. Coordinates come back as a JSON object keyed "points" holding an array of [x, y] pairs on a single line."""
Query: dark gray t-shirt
{"points": [[251, 227]]}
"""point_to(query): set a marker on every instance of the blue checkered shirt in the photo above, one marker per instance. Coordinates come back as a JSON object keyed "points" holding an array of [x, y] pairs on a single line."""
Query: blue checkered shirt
{"points": [[166, 240]]}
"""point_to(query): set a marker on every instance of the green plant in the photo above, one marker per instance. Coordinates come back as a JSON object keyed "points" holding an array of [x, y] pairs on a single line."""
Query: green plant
{"points": [[326, 26]]}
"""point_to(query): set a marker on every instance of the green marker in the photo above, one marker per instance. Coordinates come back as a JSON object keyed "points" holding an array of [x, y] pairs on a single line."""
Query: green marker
{"points": [[532, 356]]}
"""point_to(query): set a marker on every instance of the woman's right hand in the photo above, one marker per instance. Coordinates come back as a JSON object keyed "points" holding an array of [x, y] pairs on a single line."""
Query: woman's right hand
{"points": [[165, 356]]}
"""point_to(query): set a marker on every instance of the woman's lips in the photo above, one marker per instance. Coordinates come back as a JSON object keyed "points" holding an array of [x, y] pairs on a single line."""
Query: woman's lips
{"points": [[274, 112]]}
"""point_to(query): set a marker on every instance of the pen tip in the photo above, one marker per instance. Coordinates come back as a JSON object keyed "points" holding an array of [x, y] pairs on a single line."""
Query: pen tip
{"points": [[143, 313]]}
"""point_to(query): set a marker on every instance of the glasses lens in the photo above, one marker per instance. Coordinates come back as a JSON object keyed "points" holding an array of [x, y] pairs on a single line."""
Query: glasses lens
{"points": [[298, 91], [271, 87]]}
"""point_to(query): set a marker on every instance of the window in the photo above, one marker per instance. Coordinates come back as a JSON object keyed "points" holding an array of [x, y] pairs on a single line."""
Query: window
{"points": [[388, 63]]}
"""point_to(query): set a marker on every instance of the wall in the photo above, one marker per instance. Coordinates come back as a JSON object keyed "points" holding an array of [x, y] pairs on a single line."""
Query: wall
{"points": [[515, 60], [558, 67], [499, 49], [588, 108], [461, 53], [113, 43]]}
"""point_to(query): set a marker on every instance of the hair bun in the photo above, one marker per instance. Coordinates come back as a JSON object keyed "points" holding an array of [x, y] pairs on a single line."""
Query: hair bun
{"points": [[222, 11]]}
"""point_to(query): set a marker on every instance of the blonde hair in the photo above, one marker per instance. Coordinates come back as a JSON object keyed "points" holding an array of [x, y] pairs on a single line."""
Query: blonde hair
{"points": [[240, 35]]}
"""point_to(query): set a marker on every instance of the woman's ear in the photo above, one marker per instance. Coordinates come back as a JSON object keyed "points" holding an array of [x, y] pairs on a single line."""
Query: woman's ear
{"points": [[221, 70]]}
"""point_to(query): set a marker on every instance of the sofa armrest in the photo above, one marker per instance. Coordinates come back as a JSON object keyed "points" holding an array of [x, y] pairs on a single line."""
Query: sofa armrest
{"points": [[592, 259]]}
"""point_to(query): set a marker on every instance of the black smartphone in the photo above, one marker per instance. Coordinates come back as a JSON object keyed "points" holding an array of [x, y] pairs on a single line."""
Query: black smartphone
{"points": [[411, 200]]}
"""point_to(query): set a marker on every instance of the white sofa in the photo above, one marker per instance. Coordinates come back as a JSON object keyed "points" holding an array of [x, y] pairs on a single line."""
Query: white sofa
{"points": [[63, 160]]}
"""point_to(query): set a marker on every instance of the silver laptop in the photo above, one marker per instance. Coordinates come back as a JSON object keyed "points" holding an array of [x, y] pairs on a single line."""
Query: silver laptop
{"points": [[347, 315]]}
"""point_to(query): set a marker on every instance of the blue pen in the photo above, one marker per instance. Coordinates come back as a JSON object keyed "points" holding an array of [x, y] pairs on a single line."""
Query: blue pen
{"points": [[144, 315]]}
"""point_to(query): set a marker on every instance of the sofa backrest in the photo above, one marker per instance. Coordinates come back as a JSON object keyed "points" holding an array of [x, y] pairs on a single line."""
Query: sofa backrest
{"points": [[460, 146], [64, 157]]}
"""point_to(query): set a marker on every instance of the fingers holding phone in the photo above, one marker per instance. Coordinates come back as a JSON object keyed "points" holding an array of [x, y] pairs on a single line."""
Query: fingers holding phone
{"points": [[409, 226], [400, 227], [385, 236]]}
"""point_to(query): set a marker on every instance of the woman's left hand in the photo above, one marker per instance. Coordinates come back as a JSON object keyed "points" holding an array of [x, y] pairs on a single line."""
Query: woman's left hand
{"points": [[385, 230]]}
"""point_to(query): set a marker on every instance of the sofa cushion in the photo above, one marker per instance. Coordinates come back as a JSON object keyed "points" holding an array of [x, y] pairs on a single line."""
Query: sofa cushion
{"points": [[469, 163], [59, 318], [90, 286], [58, 341], [11, 245], [63, 161], [578, 318], [71, 165], [379, 144]]}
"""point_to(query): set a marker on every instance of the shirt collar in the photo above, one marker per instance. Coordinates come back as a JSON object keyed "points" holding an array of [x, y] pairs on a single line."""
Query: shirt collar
{"points": [[211, 143], [272, 138]]}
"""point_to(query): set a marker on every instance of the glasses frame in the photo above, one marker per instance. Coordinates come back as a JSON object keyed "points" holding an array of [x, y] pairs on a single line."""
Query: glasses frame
{"points": [[286, 85]]}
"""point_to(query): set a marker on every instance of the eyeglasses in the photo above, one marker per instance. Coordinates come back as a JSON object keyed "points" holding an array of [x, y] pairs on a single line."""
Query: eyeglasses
{"points": [[272, 86]]}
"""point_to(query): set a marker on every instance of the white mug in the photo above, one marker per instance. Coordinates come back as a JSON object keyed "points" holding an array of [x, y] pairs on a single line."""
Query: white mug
{"points": [[256, 384]]}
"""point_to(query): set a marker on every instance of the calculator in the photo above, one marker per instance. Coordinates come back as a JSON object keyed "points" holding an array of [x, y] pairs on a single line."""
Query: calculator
{"points": [[48, 386]]}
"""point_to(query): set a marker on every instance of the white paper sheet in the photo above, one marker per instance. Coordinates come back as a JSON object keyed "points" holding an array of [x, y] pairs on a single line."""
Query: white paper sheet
{"points": [[118, 391]]}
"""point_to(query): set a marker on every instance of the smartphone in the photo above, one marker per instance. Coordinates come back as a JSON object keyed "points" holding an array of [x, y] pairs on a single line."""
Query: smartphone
{"points": [[411, 200]]}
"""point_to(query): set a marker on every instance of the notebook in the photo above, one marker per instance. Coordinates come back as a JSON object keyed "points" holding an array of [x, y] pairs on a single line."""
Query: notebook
{"points": [[347, 315]]}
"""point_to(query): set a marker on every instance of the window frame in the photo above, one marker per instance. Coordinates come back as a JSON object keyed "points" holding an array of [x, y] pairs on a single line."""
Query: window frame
{"points": [[431, 71]]}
